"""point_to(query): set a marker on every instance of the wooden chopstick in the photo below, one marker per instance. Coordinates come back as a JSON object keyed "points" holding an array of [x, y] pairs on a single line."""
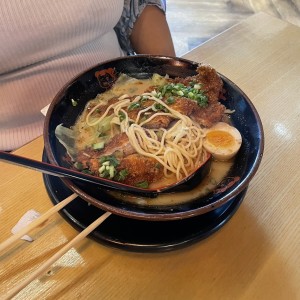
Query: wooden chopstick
{"points": [[57, 255], [36, 222]]}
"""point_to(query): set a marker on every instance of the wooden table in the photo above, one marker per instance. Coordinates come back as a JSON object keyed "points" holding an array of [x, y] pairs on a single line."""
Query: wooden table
{"points": [[254, 256]]}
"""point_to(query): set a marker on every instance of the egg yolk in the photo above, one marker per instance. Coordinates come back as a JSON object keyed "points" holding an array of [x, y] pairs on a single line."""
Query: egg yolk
{"points": [[220, 138]]}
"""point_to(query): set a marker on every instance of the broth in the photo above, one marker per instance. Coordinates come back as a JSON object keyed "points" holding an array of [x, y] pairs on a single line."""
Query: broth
{"points": [[218, 171]]}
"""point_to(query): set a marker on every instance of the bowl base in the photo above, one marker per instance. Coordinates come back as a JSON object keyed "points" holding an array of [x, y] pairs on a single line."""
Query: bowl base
{"points": [[139, 235]]}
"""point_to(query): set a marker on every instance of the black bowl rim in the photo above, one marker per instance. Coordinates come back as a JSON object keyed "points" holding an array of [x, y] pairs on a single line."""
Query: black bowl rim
{"points": [[146, 215]]}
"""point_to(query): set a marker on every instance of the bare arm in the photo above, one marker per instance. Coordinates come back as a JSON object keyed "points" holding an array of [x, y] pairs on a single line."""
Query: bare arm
{"points": [[151, 34]]}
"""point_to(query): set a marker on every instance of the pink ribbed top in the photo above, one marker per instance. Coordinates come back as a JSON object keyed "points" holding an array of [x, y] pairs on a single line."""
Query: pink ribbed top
{"points": [[43, 45]]}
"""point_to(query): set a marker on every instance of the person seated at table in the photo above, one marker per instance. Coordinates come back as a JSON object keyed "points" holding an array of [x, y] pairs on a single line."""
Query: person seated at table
{"points": [[45, 44]]}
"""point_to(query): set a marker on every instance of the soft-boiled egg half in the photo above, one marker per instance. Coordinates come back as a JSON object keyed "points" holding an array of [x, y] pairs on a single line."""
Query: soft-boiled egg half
{"points": [[222, 141]]}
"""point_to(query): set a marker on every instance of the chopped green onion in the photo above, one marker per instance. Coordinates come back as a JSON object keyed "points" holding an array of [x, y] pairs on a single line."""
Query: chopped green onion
{"points": [[86, 171], [98, 146], [144, 98], [192, 91], [107, 171], [158, 166], [143, 119], [134, 105], [102, 169], [74, 103], [190, 94], [121, 116], [78, 165], [111, 171], [143, 184], [170, 100], [120, 176], [158, 106], [202, 100], [111, 159]]}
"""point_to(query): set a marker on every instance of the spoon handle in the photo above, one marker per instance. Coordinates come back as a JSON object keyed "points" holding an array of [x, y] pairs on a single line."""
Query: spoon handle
{"points": [[42, 166], [73, 174]]}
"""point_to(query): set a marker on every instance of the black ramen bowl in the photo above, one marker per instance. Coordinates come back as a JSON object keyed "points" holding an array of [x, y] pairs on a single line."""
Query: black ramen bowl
{"points": [[98, 79]]}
